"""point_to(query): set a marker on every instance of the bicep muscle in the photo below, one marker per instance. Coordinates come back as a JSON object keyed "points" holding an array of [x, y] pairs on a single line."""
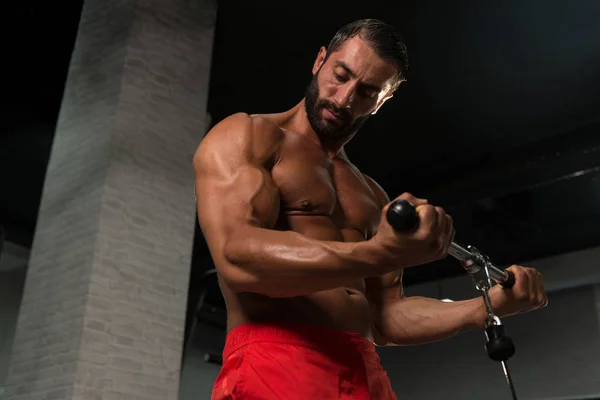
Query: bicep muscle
{"points": [[234, 187]]}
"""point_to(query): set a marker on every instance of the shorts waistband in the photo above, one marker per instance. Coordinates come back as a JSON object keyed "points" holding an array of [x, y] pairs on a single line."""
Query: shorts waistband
{"points": [[305, 335]]}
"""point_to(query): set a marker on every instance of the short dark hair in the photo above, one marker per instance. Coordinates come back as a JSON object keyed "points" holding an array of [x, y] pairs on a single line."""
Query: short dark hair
{"points": [[383, 39]]}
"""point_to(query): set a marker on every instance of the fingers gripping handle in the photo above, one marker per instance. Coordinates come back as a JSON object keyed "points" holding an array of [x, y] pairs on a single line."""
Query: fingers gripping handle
{"points": [[404, 218]]}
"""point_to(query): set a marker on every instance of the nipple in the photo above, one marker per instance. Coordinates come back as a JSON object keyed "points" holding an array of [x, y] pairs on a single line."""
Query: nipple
{"points": [[305, 204]]}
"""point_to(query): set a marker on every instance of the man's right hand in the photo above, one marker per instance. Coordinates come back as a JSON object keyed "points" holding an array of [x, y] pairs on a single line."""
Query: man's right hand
{"points": [[429, 242]]}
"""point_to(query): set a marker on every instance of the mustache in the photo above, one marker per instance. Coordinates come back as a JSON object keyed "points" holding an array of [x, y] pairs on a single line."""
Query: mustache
{"points": [[342, 113]]}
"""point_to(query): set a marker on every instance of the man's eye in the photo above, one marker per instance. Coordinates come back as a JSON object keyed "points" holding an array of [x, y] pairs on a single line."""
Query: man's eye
{"points": [[339, 77], [368, 93]]}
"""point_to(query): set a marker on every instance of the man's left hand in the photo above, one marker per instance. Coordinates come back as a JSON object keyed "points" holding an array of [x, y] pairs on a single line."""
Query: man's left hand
{"points": [[527, 294]]}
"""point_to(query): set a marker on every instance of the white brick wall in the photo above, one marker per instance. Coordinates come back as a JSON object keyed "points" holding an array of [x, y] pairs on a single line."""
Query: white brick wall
{"points": [[104, 305]]}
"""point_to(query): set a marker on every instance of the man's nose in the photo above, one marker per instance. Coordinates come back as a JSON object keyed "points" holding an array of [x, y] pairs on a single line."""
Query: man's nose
{"points": [[344, 96]]}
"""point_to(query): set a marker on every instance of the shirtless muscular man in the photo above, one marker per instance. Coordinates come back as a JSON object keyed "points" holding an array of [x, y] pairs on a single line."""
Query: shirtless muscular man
{"points": [[310, 270]]}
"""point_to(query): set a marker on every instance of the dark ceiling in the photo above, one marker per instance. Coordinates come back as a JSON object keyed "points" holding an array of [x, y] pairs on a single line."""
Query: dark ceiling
{"points": [[499, 121]]}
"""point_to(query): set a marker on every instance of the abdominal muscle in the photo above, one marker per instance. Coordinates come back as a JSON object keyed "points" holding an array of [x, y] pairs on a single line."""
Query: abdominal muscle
{"points": [[344, 308]]}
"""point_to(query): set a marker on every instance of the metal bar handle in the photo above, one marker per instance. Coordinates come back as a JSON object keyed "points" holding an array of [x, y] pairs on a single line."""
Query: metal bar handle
{"points": [[403, 217], [473, 261]]}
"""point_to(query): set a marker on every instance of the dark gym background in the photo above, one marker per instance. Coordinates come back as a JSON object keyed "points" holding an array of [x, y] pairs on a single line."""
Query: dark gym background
{"points": [[498, 122]]}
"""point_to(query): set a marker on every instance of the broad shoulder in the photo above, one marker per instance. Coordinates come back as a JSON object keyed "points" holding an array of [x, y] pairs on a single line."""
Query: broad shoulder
{"points": [[242, 128], [240, 138]]}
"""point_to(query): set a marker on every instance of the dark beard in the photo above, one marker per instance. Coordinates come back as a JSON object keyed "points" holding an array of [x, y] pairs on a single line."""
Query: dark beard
{"points": [[314, 110]]}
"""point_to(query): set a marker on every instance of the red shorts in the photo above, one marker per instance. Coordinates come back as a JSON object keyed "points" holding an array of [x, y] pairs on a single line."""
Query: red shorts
{"points": [[290, 361]]}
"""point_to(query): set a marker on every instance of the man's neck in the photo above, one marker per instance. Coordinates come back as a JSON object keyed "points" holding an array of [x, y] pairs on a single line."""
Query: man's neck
{"points": [[296, 120]]}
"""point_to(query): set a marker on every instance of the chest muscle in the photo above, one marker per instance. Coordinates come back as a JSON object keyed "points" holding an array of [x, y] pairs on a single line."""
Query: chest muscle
{"points": [[333, 193]]}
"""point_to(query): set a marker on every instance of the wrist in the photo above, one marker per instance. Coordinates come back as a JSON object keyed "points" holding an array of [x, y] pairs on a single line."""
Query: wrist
{"points": [[478, 317], [370, 255]]}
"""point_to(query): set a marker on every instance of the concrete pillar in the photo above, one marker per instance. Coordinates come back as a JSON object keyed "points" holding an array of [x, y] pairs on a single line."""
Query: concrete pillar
{"points": [[104, 302]]}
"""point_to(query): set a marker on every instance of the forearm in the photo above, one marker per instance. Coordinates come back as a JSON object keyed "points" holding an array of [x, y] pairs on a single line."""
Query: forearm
{"points": [[288, 264], [420, 320]]}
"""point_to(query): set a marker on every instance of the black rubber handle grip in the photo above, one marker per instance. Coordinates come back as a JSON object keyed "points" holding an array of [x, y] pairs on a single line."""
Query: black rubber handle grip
{"points": [[402, 216], [510, 280], [499, 346]]}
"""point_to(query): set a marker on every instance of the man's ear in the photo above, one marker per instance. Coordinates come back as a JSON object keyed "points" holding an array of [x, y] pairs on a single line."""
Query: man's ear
{"points": [[381, 101], [319, 60]]}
